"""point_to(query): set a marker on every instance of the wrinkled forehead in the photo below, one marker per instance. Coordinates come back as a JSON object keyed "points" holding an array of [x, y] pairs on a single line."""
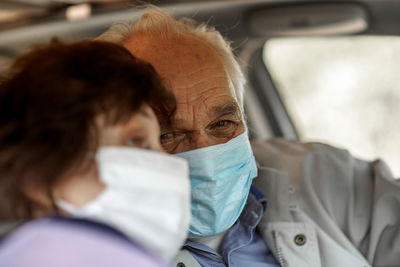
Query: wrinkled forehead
{"points": [[183, 61]]}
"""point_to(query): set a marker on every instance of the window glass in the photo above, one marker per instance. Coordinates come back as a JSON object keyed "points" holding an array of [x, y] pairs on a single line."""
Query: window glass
{"points": [[344, 91]]}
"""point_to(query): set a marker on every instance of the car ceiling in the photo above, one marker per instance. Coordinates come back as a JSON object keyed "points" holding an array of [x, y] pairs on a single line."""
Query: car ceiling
{"points": [[17, 13]]}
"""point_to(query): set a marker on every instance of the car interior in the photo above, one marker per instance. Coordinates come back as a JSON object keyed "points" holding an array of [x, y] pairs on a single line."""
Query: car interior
{"points": [[249, 25]]}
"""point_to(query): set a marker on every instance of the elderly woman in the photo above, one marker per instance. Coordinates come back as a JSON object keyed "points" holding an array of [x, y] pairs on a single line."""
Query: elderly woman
{"points": [[77, 126]]}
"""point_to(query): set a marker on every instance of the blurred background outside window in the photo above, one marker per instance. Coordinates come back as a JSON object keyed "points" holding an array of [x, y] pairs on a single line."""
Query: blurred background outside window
{"points": [[344, 91]]}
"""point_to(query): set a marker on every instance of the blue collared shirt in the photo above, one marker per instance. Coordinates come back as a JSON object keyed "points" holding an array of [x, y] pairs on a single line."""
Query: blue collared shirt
{"points": [[243, 244]]}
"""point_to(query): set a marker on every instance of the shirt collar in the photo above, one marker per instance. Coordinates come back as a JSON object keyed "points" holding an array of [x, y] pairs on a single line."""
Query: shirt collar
{"points": [[254, 209]]}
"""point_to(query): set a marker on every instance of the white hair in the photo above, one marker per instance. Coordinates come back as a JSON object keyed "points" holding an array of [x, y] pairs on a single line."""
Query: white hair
{"points": [[157, 22]]}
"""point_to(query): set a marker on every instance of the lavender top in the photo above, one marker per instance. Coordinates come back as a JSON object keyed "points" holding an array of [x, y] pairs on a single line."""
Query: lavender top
{"points": [[62, 242]]}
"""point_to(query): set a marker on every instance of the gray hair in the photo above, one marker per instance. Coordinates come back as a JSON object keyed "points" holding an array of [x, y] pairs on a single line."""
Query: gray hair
{"points": [[157, 22]]}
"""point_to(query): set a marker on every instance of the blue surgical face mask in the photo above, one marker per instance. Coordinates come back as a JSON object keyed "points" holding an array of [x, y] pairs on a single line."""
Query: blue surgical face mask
{"points": [[220, 179]]}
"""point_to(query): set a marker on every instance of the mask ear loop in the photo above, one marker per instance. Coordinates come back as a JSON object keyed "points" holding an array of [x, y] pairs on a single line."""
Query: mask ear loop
{"points": [[63, 207]]}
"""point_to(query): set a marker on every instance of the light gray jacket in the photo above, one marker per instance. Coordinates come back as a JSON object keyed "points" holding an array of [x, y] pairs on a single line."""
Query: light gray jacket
{"points": [[325, 208]]}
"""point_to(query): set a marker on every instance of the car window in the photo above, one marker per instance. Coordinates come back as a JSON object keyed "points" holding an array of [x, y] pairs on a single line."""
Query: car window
{"points": [[344, 91]]}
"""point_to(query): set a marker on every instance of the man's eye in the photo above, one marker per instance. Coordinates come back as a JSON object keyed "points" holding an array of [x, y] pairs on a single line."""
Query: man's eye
{"points": [[170, 141], [223, 124], [167, 137], [223, 128]]}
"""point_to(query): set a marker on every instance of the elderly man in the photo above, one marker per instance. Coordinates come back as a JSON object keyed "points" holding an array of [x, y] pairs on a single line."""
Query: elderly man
{"points": [[324, 207]]}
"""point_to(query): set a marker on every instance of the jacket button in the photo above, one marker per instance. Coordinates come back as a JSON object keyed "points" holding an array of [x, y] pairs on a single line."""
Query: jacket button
{"points": [[300, 239], [181, 264]]}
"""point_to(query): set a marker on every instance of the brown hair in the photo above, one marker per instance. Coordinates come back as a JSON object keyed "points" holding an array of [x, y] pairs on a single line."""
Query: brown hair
{"points": [[48, 109]]}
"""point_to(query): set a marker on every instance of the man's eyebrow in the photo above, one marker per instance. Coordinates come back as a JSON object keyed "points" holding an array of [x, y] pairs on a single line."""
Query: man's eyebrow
{"points": [[230, 108]]}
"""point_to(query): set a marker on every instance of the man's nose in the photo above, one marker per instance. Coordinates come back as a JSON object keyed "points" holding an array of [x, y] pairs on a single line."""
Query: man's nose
{"points": [[204, 140]]}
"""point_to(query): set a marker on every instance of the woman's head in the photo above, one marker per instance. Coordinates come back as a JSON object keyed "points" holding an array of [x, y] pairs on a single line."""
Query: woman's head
{"points": [[61, 102]]}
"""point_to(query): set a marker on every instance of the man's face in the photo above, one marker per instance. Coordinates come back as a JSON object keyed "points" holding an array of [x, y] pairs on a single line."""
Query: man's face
{"points": [[207, 110]]}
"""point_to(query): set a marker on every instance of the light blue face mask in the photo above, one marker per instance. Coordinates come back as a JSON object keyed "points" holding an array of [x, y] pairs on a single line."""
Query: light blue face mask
{"points": [[220, 179]]}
